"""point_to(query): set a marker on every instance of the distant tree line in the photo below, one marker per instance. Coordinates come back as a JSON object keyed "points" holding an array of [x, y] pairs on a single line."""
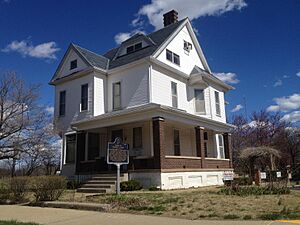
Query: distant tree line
{"points": [[28, 143]]}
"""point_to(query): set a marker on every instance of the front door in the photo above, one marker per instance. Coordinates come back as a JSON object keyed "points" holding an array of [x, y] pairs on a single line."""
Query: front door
{"points": [[115, 134]]}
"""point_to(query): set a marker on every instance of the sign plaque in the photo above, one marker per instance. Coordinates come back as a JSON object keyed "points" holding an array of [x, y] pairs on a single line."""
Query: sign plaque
{"points": [[118, 154]]}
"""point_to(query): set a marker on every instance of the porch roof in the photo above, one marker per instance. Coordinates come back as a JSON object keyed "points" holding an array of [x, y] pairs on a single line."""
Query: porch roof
{"points": [[147, 112]]}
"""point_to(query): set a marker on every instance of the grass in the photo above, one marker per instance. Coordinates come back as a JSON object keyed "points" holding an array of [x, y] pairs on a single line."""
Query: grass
{"points": [[200, 203], [13, 222]]}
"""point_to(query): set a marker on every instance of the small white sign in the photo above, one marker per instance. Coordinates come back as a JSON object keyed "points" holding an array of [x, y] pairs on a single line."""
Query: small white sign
{"points": [[290, 176], [278, 174], [263, 175], [228, 175]]}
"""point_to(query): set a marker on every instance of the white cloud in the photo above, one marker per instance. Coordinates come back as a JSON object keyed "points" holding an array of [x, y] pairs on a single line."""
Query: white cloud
{"points": [[45, 50], [237, 108], [292, 117], [278, 83], [298, 74], [285, 76], [189, 8], [120, 37], [50, 109], [230, 78], [285, 103]]}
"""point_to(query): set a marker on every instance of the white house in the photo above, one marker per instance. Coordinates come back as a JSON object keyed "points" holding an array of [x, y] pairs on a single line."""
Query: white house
{"points": [[158, 94]]}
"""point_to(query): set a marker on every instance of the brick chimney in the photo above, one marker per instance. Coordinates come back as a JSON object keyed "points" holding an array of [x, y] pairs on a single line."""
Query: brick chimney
{"points": [[170, 17]]}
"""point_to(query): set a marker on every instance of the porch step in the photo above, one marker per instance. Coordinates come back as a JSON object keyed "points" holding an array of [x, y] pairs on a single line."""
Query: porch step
{"points": [[100, 183]]}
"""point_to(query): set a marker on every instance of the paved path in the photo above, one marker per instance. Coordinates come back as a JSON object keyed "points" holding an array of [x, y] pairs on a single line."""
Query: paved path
{"points": [[76, 217]]}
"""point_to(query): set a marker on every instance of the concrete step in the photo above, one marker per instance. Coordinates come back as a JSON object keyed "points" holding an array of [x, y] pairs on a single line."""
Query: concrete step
{"points": [[104, 178], [92, 190], [104, 186], [111, 182]]}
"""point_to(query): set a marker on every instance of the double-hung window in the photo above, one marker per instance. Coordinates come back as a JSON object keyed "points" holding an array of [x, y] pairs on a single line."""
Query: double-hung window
{"points": [[199, 101], [217, 101], [176, 142], [174, 58], [62, 103], [221, 146], [174, 94], [117, 96], [84, 97]]}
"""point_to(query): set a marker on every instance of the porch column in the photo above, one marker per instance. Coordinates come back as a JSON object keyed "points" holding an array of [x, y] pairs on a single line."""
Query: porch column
{"points": [[199, 131], [158, 127], [228, 147]]}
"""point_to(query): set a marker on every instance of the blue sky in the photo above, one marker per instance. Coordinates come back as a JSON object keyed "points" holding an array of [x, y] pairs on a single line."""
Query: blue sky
{"points": [[253, 45]]}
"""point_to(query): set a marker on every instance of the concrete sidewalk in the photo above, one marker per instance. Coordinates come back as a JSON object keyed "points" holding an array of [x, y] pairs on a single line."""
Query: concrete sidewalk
{"points": [[77, 217]]}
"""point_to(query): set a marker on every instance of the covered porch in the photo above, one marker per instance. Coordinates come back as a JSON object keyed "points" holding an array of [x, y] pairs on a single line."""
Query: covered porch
{"points": [[160, 139]]}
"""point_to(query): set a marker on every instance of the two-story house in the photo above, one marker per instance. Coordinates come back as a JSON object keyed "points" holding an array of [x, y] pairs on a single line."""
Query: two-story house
{"points": [[158, 94]]}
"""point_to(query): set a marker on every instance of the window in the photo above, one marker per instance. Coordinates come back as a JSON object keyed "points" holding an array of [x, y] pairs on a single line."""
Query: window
{"points": [[217, 100], [221, 146], [174, 58], [137, 137], [62, 103], [70, 148], [199, 101], [134, 48], [84, 97], [73, 64], [174, 95], [116, 96], [187, 46], [176, 142], [93, 146]]}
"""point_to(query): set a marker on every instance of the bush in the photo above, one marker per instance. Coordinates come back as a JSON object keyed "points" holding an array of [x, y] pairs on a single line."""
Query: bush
{"points": [[254, 190], [131, 185], [4, 190], [18, 187], [243, 181], [73, 184], [48, 188], [153, 188]]}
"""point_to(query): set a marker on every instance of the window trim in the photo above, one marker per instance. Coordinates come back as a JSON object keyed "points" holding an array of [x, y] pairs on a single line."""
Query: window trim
{"points": [[174, 95], [134, 47], [71, 63], [217, 103], [203, 101], [62, 104], [113, 96], [86, 97]]}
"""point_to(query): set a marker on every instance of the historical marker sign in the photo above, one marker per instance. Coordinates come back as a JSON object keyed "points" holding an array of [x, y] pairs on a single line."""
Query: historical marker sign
{"points": [[118, 154]]}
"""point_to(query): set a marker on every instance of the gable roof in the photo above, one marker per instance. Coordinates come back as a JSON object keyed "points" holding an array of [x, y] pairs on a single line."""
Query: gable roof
{"points": [[111, 60]]}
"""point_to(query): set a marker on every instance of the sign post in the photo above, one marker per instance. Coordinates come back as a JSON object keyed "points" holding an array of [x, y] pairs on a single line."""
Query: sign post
{"points": [[117, 154]]}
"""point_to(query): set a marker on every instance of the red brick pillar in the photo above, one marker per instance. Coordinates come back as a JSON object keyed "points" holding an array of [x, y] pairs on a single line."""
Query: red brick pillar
{"points": [[228, 147], [158, 126], [199, 131]]}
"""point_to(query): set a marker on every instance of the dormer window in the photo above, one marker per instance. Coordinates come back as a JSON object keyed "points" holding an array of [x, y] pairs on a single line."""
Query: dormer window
{"points": [[187, 46], [134, 48], [73, 64]]}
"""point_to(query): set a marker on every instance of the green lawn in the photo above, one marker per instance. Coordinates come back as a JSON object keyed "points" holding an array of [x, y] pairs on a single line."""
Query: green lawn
{"points": [[200, 203], [2, 222]]}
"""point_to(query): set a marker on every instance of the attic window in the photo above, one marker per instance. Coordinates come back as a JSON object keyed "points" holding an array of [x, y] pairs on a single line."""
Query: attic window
{"points": [[73, 64], [187, 46], [134, 48], [174, 58]]}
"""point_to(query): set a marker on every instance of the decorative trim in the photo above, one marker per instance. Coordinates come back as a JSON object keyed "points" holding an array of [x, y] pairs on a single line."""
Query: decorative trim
{"points": [[216, 159], [181, 157]]}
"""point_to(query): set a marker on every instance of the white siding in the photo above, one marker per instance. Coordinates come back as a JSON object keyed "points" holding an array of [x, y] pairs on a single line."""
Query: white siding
{"points": [[161, 88], [99, 95], [134, 86], [73, 98], [187, 60]]}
